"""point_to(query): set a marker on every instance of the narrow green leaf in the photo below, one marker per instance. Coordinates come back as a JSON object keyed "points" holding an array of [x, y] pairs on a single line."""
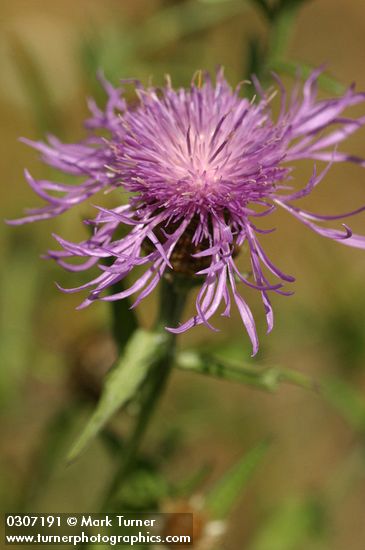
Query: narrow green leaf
{"points": [[268, 378], [189, 486], [293, 525], [349, 402], [327, 82], [224, 495], [142, 351]]}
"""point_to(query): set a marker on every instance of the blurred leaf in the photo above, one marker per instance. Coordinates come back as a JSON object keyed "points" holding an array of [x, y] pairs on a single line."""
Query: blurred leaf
{"points": [[169, 444], [178, 20], [112, 441], [143, 350], [143, 490], [291, 527], [19, 288], [285, 4], [349, 402], [41, 103], [292, 68], [255, 58], [49, 450], [343, 327], [268, 378], [264, 6], [189, 486], [224, 495], [213, 1], [348, 476], [119, 45], [112, 49]]}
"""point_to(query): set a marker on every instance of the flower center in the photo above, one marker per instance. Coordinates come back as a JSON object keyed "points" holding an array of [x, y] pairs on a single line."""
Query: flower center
{"points": [[182, 258]]}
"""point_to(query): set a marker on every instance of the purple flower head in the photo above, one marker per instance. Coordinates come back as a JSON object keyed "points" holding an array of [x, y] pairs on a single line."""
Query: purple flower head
{"points": [[202, 166]]}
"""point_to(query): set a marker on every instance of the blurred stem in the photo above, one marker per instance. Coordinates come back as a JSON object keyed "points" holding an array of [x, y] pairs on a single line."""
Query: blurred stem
{"points": [[124, 320], [267, 379], [264, 7], [172, 301], [281, 27], [280, 19]]}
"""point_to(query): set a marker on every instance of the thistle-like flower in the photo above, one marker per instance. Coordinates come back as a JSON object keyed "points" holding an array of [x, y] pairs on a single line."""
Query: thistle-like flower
{"points": [[201, 166]]}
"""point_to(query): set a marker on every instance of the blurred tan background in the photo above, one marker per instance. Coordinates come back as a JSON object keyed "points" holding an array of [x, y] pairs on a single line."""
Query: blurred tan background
{"points": [[48, 53]]}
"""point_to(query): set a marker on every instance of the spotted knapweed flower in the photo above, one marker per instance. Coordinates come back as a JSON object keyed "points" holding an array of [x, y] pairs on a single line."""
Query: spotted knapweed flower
{"points": [[200, 166]]}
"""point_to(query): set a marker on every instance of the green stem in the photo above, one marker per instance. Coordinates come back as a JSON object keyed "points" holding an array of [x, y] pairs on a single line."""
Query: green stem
{"points": [[281, 27], [172, 301], [280, 19], [268, 378], [124, 320]]}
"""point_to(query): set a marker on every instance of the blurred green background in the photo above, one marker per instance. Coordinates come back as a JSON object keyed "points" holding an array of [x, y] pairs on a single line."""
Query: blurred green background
{"points": [[309, 491]]}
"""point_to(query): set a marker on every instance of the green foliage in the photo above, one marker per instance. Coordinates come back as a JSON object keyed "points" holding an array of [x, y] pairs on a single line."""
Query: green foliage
{"points": [[144, 490], [190, 485], [264, 6], [280, 16], [180, 20], [273, 9], [267, 378], [124, 319], [255, 57], [134, 48], [143, 350], [295, 525], [343, 329], [223, 496]]}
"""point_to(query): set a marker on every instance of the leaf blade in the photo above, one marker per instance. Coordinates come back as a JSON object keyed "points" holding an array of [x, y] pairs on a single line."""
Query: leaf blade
{"points": [[224, 494], [141, 352]]}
